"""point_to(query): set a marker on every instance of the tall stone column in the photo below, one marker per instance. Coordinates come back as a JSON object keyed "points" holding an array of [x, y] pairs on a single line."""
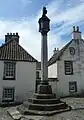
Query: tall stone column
{"points": [[44, 28], [44, 59], [44, 101]]}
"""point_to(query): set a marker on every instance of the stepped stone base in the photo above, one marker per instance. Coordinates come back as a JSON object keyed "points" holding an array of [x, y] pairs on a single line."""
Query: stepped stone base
{"points": [[25, 111], [43, 104], [44, 96]]}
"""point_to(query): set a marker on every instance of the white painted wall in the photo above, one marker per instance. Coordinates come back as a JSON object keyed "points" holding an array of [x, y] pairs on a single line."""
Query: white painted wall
{"points": [[76, 35], [52, 71], [27, 72], [25, 80], [54, 86]]}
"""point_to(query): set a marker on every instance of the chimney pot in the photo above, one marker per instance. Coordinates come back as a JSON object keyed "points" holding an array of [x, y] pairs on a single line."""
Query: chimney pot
{"points": [[77, 29], [73, 28], [16, 33], [55, 51], [13, 33], [10, 33], [7, 33]]}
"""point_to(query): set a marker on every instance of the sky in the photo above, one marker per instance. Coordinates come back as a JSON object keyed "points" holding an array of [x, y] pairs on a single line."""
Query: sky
{"points": [[22, 16]]}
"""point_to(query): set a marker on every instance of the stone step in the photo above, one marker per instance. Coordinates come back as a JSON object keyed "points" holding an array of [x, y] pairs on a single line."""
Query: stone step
{"points": [[47, 113], [25, 111], [44, 96], [47, 107], [44, 101]]}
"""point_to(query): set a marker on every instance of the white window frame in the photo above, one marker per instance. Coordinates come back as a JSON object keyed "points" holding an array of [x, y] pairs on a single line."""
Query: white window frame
{"points": [[73, 86], [68, 66], [8, 93], [9, 69]]}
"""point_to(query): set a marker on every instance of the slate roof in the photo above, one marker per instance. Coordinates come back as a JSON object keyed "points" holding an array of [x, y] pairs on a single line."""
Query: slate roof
{"points": [[56, 57], [11, 50]]}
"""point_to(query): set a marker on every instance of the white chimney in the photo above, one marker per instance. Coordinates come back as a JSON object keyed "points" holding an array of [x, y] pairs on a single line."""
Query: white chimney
{"points": [[55, 51], [76, 34]]}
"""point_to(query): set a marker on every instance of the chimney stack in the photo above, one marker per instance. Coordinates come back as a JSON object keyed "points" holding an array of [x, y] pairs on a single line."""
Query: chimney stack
{"points": [[76, 34], [55, 51], [11, 36]]}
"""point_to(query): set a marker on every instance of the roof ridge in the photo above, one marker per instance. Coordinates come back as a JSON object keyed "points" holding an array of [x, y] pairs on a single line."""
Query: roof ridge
{"points": [[57, 56]]}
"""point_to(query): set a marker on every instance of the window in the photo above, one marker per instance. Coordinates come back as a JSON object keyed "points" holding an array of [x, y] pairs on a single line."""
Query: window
{"points": [[72, 50], [68, 67], [37, 74], [73, 86], [8, 94], [9, 70]]}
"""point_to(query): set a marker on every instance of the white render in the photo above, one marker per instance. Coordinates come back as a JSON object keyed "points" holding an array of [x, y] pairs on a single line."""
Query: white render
{"points": [[62, 86], [52, 71], [24, 83], [76, 35]]}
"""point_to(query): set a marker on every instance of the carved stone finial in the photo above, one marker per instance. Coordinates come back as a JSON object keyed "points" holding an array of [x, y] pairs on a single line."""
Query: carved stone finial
{"points": [[44, 11]]}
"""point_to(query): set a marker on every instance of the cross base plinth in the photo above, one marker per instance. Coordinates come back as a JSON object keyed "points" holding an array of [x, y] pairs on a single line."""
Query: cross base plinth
{"points": [[43, 104], [44, 89]]}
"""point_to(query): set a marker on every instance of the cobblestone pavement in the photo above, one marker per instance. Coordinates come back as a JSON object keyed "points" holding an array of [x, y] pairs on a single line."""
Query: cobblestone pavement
{"points": [[71, 115]]}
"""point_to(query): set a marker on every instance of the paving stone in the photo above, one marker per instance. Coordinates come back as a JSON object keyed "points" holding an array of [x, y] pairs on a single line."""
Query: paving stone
{"points": [[14, 113], [29, 117]]}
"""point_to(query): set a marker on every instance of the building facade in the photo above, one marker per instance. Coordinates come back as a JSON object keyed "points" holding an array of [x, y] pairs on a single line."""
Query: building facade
{"points": [[67, 65], [17, 71]]}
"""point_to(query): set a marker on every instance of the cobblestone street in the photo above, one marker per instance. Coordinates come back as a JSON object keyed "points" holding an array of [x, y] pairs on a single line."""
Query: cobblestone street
{"points": [[78, 114]]}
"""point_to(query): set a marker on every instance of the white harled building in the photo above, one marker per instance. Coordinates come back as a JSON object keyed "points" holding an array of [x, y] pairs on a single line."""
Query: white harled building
{"points": [[17, 71], [67, 65]]}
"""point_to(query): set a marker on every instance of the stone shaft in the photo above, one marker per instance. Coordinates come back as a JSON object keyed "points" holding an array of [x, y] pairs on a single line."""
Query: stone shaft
{"points": [[44, 58]]}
